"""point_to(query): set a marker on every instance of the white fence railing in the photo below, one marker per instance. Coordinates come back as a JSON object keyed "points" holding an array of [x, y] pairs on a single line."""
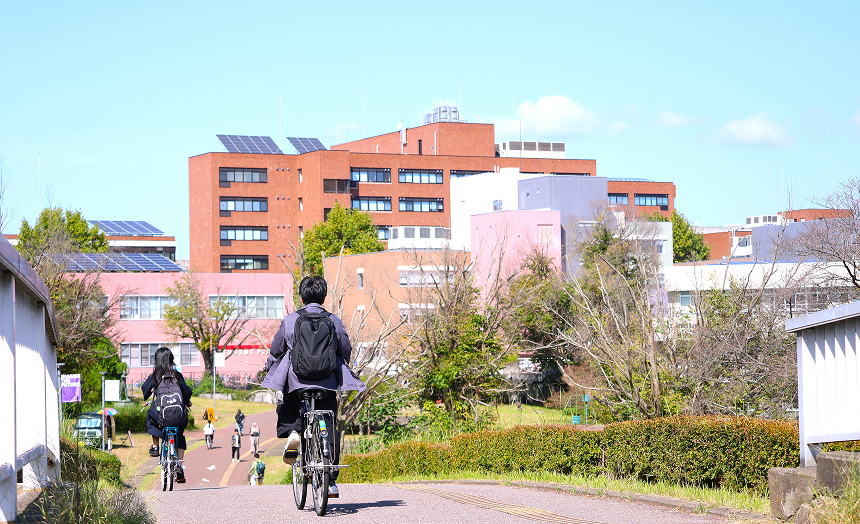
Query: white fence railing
{"points": [[29, 404], [828, 373]]}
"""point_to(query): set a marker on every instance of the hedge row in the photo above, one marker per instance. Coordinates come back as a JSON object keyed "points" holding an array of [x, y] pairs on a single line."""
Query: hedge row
{"points": [[82, 463], [129, 418], [733, 453]]}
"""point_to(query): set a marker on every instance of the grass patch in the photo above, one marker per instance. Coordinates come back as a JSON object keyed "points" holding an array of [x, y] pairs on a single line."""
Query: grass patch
{"points": [[509, 416], [132, 457], [225, 410], [712, 497]]}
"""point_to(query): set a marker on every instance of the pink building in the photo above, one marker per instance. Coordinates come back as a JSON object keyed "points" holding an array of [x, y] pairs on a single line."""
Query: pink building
{"points": [[265, 297], [501, 240]]}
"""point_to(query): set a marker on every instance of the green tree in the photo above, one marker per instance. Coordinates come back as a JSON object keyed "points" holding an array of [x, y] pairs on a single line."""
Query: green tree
{"points": [[347, 229], [79, 302], [688, 246], [55, 225]]}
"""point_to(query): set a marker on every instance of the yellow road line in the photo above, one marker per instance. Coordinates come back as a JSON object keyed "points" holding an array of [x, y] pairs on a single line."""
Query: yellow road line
{"points": [[226, 478], [511, 509]]}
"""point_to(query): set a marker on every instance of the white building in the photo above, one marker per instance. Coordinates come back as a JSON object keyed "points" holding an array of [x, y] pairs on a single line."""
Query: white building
{"points": [[481, 193], [517, 149], [419, 237]]}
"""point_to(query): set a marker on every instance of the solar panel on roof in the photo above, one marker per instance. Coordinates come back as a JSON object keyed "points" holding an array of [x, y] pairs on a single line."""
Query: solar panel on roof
{"points": [[250, 144], [120, 262], [127, 228], [306, 145]]}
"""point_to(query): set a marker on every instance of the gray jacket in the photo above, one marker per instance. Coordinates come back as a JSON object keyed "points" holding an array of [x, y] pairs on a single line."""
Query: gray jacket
{"points": [[280, 369]]}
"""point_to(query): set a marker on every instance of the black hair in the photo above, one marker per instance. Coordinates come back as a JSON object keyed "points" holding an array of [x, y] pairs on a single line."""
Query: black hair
{"points": [[313, 290], [163, 364], [256, 455]]}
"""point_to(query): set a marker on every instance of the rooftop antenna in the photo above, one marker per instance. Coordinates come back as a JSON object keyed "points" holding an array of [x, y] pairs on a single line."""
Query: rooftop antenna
{"points": [[280, 125], [363, 120], [40, 182], [782, 186], [460, 102]]}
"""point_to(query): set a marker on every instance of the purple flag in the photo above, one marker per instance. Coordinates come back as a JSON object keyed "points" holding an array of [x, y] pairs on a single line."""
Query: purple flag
{"points": [[71, 387]]}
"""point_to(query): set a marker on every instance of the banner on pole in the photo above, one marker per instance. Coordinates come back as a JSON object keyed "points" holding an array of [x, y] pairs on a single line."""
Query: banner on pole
{"points": [[111, 390], [220, 359], [71, 388]]}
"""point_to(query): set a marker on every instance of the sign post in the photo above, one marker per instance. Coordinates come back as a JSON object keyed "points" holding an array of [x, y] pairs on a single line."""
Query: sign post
{"points": [[103, 373], [586, 398]]}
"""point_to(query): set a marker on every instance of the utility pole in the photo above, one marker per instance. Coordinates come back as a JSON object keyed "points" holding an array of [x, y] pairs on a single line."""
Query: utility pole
{"points": [[104, 428]]}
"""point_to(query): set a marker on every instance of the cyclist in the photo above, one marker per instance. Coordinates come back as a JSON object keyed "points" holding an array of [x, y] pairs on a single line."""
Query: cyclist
{"points": [[258, 470], [209, 433], [165, 366], [240, 422], [282, 377]]}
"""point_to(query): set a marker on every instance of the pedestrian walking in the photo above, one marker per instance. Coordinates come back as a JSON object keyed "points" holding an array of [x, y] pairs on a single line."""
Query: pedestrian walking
{"points": [[255, 437], [236, 444], [240, 422], [258, 470]]}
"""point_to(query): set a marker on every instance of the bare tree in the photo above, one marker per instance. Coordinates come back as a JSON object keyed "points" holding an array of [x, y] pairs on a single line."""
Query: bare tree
{"points": [[7, 209], [213, 324]]}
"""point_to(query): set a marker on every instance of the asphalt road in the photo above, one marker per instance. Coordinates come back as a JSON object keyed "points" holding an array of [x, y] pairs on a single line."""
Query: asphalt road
{"points": [[397, 503]]}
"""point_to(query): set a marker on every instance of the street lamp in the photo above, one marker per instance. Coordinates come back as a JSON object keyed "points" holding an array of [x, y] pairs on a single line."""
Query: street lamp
{"points": [[103, 373]]}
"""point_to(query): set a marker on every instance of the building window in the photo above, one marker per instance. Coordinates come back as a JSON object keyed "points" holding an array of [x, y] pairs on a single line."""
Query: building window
{"points": [[188, 354], [411, 314], [143, 307], [460, 173], [420, 176], [238, 174], [383, 232], [497, 205], [651, 200], [544, 234], [333, 185], [685, 298], [417, 278], [442, 232], [244, 233], [394, 233], [618, 199], [243, 262], [372, 203], [301, 232], [361, 281], [408, 232], [244, 204], [326, 211], [424, 232], [300, 176], [365, 174], [253, 306], [301, 204], [421, 204]]}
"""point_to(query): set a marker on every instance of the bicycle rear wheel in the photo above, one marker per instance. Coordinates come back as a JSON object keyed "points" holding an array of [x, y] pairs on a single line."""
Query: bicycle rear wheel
{"points": [[300, 484], [320, 476], [171, 476], [164, 476]]}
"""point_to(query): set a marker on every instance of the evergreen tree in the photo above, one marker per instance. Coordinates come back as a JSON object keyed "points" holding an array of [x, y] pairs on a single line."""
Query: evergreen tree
{"points": [[344, 228]]}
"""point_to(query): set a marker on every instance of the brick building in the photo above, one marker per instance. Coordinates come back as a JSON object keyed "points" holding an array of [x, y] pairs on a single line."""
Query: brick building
{"points": [[401, 178]]}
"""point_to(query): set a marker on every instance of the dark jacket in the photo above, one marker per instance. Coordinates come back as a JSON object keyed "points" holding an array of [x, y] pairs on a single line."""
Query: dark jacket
{"points": [[281, 376], [148, 389]]}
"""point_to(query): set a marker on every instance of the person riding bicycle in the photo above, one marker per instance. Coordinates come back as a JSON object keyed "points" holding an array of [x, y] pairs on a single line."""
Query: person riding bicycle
{"points": [[258, 470], [209, 432], [163, 373], [281, 375], [240, 422]]}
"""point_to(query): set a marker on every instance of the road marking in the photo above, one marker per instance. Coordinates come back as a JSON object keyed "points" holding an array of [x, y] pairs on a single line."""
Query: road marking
{"points": [[226, 478], [481, 502]]}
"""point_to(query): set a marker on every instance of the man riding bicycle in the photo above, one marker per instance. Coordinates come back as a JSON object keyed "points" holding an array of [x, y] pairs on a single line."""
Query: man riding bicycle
{"points": [[282, 374], [209, 433]]}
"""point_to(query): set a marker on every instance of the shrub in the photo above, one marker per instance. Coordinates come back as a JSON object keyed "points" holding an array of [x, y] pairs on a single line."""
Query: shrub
{"points": [[131, 419], [86, 463], [733, 453]]}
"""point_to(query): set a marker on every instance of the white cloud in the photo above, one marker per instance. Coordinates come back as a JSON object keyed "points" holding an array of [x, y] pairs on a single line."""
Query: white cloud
{"points": [[670, 120], [550, 117], [758, 130], [617, 127]]}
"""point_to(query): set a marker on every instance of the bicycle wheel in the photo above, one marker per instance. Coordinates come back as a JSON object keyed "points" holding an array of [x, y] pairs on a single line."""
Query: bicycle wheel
{"points": [[300, 484], [164, 477], [171, 476], [320, 476]]}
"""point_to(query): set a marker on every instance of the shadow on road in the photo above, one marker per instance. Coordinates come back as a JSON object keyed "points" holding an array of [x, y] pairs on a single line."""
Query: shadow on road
{"points": [[337, 510]]}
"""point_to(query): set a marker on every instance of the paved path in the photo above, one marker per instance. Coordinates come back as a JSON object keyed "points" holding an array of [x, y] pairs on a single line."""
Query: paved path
{"points": [[398, 503], [213, 467]]}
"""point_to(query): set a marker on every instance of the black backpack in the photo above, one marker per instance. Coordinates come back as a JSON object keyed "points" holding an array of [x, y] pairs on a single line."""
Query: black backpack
{"points": [[261, 468], [170, 411], [314, 353]]}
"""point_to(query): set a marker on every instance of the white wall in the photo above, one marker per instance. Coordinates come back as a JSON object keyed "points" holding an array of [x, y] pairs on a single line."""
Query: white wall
{"points": [[28, 381], [472, 195]]}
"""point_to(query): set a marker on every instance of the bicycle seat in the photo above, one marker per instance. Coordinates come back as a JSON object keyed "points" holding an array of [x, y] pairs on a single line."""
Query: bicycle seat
{"points": [[317, 393]]}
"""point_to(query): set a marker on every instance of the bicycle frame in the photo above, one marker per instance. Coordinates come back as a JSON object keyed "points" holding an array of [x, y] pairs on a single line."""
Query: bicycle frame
{"points": [[169, 459]]}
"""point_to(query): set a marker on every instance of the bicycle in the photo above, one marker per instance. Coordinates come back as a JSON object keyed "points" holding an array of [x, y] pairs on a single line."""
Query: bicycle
{"points": [[168, 459], [209, 441], [314, 464]]}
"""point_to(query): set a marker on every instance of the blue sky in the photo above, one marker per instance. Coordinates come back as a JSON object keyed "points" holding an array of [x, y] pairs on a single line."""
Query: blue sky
{"points": [[715, 97]]}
